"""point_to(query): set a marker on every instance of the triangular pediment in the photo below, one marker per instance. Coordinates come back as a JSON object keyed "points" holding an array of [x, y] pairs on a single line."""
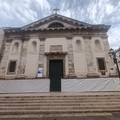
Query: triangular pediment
{"points": [[56, 20]]}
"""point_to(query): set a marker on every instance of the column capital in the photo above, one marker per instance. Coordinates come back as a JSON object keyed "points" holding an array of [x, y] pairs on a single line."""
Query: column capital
{"points": [[42, 38], [69, 37], [24, 38]]}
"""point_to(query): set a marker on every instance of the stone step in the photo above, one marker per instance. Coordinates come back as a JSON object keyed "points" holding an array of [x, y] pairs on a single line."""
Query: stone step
{"points": [[60, 100], [67, 102], [64, 98], [36, 116], [62, 104], [72, 98], [52, 107], [56, 111], [56, 96], [57, 104]]}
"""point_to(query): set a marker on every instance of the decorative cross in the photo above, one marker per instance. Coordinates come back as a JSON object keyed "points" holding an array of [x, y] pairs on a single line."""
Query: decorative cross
{"points": [[56, 10]]}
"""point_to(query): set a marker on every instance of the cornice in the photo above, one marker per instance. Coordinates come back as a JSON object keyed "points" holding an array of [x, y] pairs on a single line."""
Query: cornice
{"points": [[87, 37]]}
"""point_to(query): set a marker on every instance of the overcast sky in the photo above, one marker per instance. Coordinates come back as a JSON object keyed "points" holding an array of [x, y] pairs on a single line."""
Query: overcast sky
{"points": [[16, 13]]}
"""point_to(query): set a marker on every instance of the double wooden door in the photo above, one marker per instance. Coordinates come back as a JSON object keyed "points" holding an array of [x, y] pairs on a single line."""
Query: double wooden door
{"points": [[55, 74]]}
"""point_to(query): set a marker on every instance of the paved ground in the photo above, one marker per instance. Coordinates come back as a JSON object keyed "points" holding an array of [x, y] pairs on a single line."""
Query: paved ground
{"points": [[89, 116]]}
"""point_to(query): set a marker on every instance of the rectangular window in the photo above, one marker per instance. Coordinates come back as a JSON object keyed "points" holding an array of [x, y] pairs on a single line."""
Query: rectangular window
{"points": [[12, 67], [101, 64]]}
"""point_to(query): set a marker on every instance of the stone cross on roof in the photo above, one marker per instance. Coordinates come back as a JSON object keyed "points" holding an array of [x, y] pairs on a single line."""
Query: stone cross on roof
{"points": [[56, 10]]}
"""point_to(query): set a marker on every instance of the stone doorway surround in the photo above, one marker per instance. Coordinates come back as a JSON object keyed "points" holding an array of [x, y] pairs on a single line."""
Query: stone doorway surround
{"points": [[56, 56]]}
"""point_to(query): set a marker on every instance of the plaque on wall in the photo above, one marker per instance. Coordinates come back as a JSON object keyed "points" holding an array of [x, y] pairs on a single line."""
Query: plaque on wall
{"points": [[56, 48], [40, 72]]}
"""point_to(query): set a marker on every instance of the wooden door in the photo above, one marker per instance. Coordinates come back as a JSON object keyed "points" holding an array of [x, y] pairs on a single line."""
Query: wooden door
{"points": [[55, 74]]}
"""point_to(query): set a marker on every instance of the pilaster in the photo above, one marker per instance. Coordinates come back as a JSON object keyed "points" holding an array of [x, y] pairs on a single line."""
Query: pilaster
{"points": [[41, 52], [71, 67], [4, 60]]}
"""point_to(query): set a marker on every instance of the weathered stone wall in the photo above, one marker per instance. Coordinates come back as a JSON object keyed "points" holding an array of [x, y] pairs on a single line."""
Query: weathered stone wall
{"points": [[42, 61], [91, 68], [4, 60], [110, 64], [80, 62], [71, 67], [22, 63], [12, 56], [79, 57], [2, 43], [1, 37], [32, 58]]}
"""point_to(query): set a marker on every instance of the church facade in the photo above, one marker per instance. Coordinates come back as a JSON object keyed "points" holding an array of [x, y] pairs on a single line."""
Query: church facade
{"points": [[55, 45]]}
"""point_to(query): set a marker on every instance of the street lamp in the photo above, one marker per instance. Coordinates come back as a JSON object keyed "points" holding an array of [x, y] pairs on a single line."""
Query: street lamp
{"points": [[113, 56]]}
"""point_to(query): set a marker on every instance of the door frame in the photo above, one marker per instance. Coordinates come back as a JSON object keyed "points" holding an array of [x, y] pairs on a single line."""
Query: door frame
{"points": [[56, 57]]}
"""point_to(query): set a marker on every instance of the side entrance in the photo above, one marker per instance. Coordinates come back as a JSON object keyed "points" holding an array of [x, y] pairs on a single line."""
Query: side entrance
{"points": [[55, 74]]}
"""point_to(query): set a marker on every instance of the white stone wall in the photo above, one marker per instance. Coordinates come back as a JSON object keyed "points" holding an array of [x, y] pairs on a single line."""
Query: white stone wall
{"points": [[56, 41], [29, 58], [1, 37], [32, 58], [99, 53], [13, 55], [79, 58]]}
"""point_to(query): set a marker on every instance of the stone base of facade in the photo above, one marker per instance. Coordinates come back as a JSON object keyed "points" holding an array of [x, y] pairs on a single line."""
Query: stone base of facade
{"points": [[69, 76], [93, 75], [113, 75], [72, 75], [21, 76]]}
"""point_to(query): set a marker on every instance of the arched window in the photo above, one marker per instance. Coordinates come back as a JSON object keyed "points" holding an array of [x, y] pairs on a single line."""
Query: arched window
{"points": [[55, 25], [15, 47], [98, 45], [78, 45], [34, 46]]}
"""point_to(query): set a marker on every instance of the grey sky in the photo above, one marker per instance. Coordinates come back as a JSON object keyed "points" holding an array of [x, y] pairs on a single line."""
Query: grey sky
{"points": [[15, 13]]}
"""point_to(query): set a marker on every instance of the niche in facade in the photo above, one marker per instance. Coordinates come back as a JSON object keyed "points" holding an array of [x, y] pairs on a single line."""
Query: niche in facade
{"points": [[15, 47], [34, 46], [78, 46], [98, 46]]}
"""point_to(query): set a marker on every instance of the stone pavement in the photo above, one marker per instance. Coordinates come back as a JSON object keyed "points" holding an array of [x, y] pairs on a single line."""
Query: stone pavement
{"points": [[83, 116]]}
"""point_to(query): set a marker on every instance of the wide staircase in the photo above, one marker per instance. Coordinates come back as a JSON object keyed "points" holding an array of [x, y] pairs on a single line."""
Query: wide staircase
{"points": [[58, 103]]}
